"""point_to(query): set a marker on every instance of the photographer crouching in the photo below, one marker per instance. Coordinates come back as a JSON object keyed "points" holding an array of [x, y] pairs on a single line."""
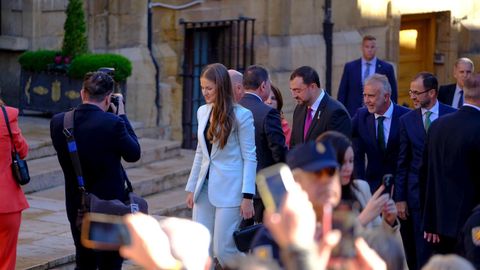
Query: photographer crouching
{"points": [[102, 139]]}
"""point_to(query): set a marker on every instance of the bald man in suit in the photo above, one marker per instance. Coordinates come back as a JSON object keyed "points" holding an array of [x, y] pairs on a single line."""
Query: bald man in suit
{"points": [[452, 94]]}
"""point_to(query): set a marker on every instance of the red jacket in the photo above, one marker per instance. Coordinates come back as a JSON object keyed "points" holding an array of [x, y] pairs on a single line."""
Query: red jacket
{"points": [[12, 197]]}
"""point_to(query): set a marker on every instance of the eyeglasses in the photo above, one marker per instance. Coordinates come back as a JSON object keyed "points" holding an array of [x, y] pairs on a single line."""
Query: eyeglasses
{"points": [[416, 93]]}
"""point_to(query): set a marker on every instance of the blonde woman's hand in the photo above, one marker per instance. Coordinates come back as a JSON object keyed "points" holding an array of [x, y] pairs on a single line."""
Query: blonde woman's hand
{"points": [[189, 200], [390, 212], [246, 208]]}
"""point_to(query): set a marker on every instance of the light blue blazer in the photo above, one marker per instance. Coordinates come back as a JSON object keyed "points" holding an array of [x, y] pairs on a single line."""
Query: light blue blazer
{"points": [[233, 168]]}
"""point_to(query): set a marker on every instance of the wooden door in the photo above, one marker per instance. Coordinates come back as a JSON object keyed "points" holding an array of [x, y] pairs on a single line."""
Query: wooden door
{"points": [[417, 44]]}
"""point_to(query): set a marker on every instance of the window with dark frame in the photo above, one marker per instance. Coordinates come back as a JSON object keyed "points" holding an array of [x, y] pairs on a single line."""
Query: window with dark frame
{"points": [[229, 42]]}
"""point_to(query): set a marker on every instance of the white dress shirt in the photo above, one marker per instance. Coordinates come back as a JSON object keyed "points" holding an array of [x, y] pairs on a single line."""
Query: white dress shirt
{"points": [[435, 113], [315, 105], [456, 97]]}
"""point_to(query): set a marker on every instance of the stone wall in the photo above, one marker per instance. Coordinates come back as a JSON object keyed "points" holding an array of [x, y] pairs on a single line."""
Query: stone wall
{"points": [[288, 34], [121, 27], [112, 26]]}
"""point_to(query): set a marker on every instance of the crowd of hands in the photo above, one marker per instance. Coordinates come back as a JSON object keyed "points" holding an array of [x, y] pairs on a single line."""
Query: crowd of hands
{"points": [[175, 243]]}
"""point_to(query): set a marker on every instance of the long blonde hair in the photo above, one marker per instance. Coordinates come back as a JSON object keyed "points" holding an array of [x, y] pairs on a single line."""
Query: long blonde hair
{"points": [[223, 117]]}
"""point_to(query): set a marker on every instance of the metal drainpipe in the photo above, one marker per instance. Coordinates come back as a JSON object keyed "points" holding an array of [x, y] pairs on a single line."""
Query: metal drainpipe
{"points": [[155, 63], [328, 36]]}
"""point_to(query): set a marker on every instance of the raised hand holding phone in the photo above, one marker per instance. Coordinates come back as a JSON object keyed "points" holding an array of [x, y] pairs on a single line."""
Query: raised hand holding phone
{"points": [[273, 183], [104, 232], [389, 211], [388, 183], [288, 225]]}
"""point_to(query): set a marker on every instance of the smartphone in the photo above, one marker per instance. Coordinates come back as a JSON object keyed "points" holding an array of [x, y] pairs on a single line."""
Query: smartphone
{"points": [[344, 220], [104, 232], [273, 183], [388, 182]]}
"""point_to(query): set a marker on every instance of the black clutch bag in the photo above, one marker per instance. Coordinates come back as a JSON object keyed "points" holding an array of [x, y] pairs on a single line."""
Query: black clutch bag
{"points": [[20, 169], [243, 237]]}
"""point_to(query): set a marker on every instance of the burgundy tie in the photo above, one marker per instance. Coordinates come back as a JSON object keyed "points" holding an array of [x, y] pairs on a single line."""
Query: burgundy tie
{"points": [[308, 122]]}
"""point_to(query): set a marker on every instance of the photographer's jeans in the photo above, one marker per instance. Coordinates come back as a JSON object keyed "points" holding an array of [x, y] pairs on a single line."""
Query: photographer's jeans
{"points": [[221, 222]]}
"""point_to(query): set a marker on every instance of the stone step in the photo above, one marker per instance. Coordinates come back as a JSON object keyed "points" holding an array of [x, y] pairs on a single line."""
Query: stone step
{"points": [[155, 150], [152, 178], [36, 130], [171, 204], [161, 176], [46, 172]]}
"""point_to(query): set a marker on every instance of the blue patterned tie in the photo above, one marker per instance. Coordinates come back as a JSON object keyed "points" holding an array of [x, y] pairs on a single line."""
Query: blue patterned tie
{"points": [[367, 71], [460, 100]]}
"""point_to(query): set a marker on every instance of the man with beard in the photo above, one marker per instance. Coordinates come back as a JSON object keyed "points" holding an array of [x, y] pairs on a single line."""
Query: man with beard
{"points": [[316, 111], [413, 130]]}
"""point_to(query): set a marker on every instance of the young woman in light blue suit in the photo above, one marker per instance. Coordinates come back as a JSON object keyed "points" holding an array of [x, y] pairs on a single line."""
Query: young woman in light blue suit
{"points": [[222, 181]]}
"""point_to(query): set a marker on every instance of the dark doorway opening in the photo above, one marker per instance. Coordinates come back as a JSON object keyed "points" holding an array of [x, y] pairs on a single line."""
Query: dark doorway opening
{"points": [[229, 42]]}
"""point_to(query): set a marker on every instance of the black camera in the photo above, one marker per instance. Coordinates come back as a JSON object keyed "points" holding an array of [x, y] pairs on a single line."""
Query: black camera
{"points": [[115, 100], [107, 70]]}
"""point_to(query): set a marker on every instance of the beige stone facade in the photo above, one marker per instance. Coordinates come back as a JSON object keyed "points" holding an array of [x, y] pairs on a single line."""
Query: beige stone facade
{"points": [[288, 34]]}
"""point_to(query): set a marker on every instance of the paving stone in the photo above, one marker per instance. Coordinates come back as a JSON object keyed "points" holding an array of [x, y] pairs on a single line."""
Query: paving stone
{"points": [[39, 257], [57, 218], [46, 203], [42, 227]]}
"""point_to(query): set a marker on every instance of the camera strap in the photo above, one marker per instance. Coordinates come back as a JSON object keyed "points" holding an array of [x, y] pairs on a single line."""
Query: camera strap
{"points": [[73, 151]]}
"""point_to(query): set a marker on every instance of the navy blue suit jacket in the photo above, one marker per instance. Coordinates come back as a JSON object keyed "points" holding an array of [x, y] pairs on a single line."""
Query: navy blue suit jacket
{"points": [[350, 92], [103, 139], [452, 150], [269, 137], [365, 143], [412, 140], [330, 115]]}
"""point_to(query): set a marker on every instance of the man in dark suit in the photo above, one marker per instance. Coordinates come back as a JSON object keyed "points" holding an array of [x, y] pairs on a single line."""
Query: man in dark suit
{"points": [[103, 139], [355, 72], [413, 127], [376, 132], [269, 137], [452, 94], [316, 112], [452, 170]]}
